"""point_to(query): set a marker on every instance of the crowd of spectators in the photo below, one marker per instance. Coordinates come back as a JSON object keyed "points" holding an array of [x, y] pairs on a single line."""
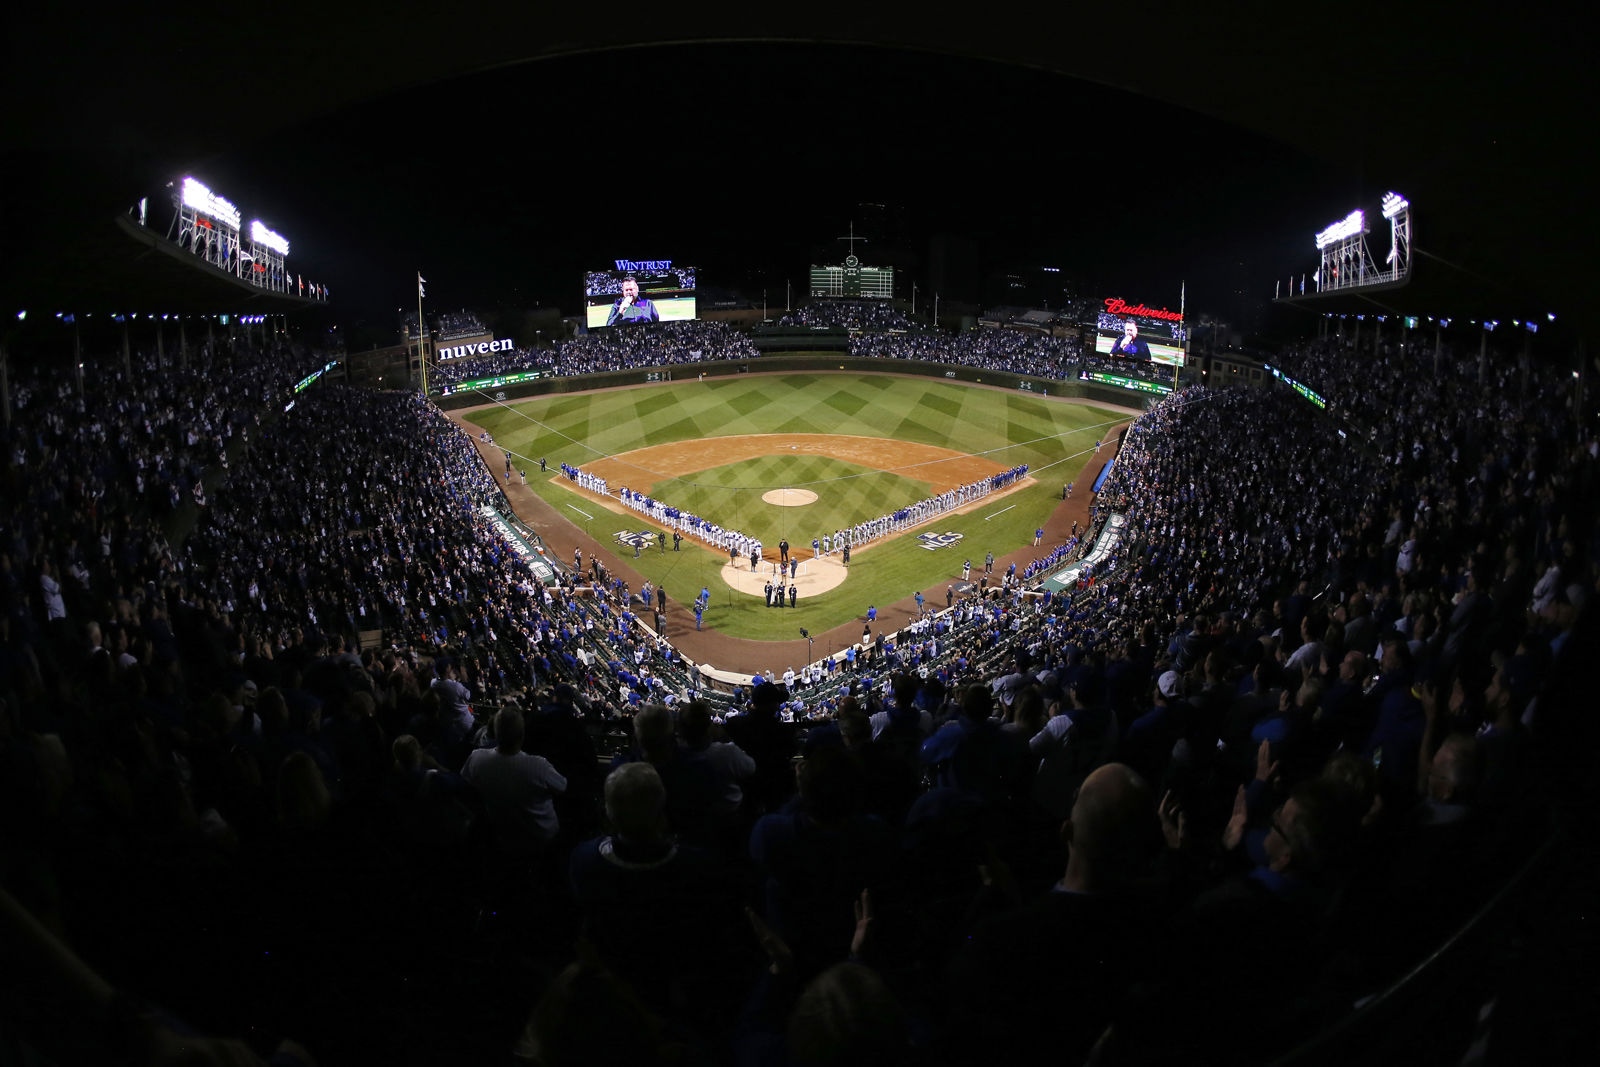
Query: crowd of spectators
{"points": [[851, 315], [654, 344], [1276, 745], [649, 345], [605, 282], [446, 374], [447, 326], [1008, 351], [454, 324]]}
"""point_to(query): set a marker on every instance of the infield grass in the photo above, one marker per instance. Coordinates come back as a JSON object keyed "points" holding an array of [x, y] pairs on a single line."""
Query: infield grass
{"points": [[1053, 436]]}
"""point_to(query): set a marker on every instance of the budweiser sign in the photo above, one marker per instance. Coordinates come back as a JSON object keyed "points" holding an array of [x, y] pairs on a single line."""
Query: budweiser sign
{"points": [[1115, 305]]}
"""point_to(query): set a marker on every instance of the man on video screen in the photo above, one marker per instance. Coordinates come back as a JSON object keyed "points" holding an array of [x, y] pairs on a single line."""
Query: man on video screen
{"points": [[1129, 345], [630, 307]]}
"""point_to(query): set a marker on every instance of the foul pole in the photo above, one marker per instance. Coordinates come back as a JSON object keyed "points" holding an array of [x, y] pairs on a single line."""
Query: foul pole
{"points": [[1183, 296], [422, 351]]}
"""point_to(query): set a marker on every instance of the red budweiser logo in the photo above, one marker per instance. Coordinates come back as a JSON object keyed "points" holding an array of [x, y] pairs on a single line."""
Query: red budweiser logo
{"points": [[1118, 306]]}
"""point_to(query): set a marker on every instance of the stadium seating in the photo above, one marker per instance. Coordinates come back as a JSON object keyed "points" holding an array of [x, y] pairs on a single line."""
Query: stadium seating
{"points": [[1292, 716]]}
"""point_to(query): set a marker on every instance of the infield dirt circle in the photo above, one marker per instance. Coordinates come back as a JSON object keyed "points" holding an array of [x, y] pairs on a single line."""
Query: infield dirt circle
{"points": [[789, 498]]}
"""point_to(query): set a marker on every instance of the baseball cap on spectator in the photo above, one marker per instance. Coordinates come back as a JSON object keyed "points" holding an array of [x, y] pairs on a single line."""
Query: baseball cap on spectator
{"points": [[1170, 684]]}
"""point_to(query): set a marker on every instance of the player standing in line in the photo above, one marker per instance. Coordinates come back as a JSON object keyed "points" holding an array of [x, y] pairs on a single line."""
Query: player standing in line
{"points": [[966, 571]]}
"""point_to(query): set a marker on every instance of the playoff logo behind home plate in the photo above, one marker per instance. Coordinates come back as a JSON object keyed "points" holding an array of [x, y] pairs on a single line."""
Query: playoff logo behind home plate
{"points": [[933, 542], [640, 539]]}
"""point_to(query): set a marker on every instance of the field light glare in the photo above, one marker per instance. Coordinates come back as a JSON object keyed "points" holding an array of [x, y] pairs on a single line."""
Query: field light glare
{"points": [[1349, 226], [203, 200], [263, 236], [1393, 204]]}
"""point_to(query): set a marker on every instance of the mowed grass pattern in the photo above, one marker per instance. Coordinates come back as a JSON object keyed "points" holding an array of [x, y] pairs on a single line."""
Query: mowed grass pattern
{"points": [[578, 429], [847, 493], [1053, 436]]}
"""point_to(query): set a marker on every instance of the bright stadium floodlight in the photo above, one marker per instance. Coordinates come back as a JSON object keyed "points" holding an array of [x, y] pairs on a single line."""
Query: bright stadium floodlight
{"points": [[1346, 228], [205, 202], [1393, 204], [263, 236]]}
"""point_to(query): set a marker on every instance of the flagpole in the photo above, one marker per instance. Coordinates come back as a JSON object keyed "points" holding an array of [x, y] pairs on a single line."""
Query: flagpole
{"points": [[422, 352], [1183, 297]]}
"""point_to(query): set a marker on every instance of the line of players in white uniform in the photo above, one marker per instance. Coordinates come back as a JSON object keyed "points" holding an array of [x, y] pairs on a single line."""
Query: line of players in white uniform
{"points": [[747, 547]]}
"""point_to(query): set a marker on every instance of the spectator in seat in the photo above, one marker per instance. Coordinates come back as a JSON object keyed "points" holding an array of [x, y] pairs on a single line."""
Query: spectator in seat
{"points": [[890, 780], [969, 752], [1052, 973], [693, 793], [817, 854], [1251, 932], [761, 735], [646, 897], [1396, 738], [517, 787], [453, 697], [728, 763], [589, 1015], [1147, 743]]}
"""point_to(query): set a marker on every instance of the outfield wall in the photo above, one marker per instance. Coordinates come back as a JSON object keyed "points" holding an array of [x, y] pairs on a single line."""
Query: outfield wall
{"points": [[797, 361]]}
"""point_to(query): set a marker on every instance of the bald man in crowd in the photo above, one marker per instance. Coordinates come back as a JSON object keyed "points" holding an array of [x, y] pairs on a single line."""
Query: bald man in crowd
{"points": [[1052, 972]]}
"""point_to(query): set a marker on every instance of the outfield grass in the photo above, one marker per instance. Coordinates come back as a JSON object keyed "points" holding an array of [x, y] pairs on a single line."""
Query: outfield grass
{"points": [[1052, 436]]}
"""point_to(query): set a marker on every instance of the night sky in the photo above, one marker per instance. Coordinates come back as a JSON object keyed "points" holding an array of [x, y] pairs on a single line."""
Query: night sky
{"points": [[747, 161]]}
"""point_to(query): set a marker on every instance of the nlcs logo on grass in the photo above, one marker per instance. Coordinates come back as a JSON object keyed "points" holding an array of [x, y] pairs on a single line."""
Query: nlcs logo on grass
{"points": [[933, 542], [635, 539]]}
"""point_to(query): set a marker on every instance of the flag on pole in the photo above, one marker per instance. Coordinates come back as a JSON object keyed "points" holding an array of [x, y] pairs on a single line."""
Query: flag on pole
{"points": [[421, 282]]}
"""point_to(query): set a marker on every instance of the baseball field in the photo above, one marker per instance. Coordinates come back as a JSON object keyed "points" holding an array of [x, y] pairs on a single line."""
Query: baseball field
{"points": [[797, 456]]}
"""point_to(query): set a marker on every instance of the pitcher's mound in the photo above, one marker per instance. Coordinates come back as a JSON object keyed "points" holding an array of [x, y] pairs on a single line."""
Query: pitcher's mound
{"points": [[819, 574], [789, 498]]}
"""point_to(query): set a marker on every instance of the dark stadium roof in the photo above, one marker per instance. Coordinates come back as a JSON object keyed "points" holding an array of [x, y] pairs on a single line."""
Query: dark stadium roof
{"points": [[1480, 121]]}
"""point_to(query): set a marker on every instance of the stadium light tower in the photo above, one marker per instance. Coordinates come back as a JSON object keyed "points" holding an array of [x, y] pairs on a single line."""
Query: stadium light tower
{"points": [[209, 224], [1398, 211], [268, 251], [1346, 263]]}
